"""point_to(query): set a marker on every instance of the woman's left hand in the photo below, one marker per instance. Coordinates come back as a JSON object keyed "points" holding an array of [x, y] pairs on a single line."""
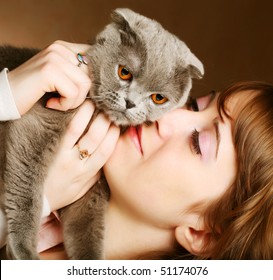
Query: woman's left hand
{"points": [[70, 177]]}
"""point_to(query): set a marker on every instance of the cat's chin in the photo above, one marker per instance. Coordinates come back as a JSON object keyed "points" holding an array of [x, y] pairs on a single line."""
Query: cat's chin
{"points": [[122, 119]]}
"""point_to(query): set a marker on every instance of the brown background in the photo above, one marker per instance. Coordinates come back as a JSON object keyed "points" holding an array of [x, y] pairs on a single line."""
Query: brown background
{"points": [[233, 38]]}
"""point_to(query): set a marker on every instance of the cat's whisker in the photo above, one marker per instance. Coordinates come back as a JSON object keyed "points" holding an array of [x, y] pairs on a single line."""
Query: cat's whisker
{"points": [[96, 97]]}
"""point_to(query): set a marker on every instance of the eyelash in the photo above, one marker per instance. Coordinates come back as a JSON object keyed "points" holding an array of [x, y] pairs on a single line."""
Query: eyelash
{"points": [[193, 105], [195, 142]]}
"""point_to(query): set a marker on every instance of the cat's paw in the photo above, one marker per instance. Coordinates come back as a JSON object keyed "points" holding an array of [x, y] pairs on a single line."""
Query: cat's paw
{"points": [[21, 252]]}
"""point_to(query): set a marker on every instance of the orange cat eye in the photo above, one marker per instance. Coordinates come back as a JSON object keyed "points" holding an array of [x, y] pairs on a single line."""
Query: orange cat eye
{"points": [[124, 73], [159, 98]]}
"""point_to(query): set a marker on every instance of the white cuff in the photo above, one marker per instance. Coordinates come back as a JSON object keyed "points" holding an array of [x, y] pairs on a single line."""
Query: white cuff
{"points": [[46, 208], [3, 229], [8, 109]]}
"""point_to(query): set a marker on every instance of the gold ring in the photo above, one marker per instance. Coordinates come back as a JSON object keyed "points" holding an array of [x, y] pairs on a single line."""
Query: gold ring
{"points": [[83, 153]]}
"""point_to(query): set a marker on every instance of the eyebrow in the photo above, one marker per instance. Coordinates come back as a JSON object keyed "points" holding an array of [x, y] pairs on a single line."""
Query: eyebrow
{"points": [[218, 137], [216, 125], [213, 95]]}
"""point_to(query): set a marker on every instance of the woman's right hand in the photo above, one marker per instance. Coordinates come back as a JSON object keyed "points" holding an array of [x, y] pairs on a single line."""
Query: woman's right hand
{"points": [[53, 69], [70, 177]]}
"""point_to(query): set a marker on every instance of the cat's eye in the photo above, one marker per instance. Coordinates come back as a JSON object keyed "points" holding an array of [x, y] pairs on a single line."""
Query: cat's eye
{"points": [[124, 73], [159, 98]]}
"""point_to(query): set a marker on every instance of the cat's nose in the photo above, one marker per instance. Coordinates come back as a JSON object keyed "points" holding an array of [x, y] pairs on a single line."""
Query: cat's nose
{"points": [[129, 104]]}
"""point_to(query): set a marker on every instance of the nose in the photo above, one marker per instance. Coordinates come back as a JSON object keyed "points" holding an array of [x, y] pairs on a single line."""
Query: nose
{"points": [[129, 104], [183, 121]]}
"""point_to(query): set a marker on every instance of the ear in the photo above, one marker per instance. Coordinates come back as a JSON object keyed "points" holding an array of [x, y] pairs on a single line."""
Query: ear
{"points": [[121, 14], [193, 238], [196, 67], [123, 17]]}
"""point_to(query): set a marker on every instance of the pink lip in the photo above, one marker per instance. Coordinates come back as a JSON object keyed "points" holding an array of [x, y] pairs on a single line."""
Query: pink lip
{"points": [[135, 135]]}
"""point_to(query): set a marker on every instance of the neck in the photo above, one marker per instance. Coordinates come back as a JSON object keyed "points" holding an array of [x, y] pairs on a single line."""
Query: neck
{"points": [[127, 237]]}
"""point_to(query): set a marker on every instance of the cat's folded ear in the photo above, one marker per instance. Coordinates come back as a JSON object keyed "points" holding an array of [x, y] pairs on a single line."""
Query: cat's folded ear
{"points": [[195, 66], [123, 17]]}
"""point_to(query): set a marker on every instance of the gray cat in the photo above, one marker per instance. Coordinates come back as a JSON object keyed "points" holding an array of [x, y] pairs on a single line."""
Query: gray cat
{"points": [[139, 71]]}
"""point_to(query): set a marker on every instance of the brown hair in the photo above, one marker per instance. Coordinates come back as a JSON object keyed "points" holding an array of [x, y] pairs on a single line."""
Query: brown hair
{"points": [[241, 221]]}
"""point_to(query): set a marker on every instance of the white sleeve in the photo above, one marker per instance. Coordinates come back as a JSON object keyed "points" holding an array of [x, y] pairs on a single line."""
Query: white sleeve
{"points": [[46, 208], [3, 221], [8, 109], [3, 229]]}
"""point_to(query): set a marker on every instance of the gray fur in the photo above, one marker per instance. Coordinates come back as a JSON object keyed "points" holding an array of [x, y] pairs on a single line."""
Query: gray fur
{"points": [[159, 62]]}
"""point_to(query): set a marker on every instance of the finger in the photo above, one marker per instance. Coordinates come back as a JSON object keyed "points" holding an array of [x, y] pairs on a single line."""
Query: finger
{"points": [[69, 93], [64, 103], [78, 125], [105, 149], [81, 48], [81, 81], [95, 134], [70, 51], [70, 82], [63, 58]]}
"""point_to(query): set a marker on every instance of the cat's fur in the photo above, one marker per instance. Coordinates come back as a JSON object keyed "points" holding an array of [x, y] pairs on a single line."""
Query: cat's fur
{"points": [[160, 63]]}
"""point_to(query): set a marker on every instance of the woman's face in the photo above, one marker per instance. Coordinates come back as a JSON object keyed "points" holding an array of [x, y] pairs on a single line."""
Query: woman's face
{"points": [[187, 158]]}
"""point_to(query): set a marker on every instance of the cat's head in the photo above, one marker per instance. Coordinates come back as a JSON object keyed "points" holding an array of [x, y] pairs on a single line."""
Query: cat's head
{"points": [[140, 70]]}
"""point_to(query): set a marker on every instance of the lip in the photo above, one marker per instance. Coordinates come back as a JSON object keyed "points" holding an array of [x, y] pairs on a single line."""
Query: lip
{"points": [[134, 133]]}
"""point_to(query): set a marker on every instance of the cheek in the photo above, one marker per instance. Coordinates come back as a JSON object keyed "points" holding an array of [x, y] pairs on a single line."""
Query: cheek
{"points": [[158, 189], [181, 179], [158, 180]]}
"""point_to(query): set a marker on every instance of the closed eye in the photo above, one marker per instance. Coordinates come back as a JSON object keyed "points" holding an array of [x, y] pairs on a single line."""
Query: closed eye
{"points": [[195, 142]]}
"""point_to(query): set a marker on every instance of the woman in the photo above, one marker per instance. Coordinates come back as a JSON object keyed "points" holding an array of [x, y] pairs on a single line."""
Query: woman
{"points": [[198, 179], [201, 180]]}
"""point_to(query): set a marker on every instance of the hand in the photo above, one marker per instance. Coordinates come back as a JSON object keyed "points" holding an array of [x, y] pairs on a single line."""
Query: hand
{"points": [[69, 177], [52, 69]]}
